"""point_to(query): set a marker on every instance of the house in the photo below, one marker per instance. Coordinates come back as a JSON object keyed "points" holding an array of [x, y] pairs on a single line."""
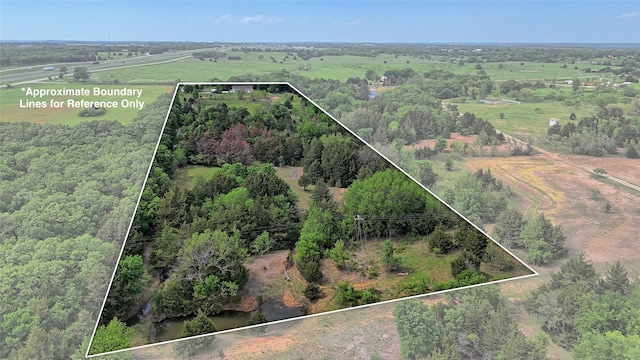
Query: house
{"points": [[244, 88], [568, 82], [554, 121]]}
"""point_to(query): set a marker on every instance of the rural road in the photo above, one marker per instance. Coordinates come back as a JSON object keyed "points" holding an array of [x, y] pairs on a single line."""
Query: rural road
{"points": [[577, 166]]}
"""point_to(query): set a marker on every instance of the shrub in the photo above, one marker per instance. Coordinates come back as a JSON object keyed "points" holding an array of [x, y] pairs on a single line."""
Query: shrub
{"points": [[312, 292], [92, 112], [339, 254]]}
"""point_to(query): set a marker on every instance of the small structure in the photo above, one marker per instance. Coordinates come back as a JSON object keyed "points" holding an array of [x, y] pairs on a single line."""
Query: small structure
{"points": [[554, 121], [621, 86], [243, 88]]}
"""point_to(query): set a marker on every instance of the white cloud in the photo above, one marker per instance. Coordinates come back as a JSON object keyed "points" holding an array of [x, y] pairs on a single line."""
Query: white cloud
{"points": [[260, 19], [630, 15], [223, 19]]}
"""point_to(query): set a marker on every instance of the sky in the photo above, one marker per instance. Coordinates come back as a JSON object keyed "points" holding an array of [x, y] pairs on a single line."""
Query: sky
{"points": [[324, 21]]}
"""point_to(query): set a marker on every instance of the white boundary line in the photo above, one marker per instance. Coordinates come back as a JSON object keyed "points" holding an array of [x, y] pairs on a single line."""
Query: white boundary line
{"points": [[535, 273], [175, 91]]}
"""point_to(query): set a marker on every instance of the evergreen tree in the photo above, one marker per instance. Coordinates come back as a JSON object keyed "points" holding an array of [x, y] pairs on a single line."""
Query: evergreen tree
{"points": [[418, 329]]}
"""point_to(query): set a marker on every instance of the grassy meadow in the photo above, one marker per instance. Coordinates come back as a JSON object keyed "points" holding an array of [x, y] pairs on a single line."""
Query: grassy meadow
{"points": [[339, 67]]}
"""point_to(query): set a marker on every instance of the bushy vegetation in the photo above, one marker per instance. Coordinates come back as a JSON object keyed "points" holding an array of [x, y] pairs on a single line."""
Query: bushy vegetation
{"points": [[600, 134], [589, 314], [469, 324], [544, 241], [348, 296]]}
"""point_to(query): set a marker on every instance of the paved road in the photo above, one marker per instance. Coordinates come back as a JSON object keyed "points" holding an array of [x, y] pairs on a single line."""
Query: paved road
{"points": [[33, 74]]}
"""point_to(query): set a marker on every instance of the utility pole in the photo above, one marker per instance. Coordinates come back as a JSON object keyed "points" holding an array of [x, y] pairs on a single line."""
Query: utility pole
{"points": [[358, 218]]}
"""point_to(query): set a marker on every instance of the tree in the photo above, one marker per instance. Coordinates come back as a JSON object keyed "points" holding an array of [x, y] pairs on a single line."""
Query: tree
{"points": [[262, 244], [304, 181], [390, 193], [321, 193], [371, 75], [440, 240], [128, 282], [81, 74], [212, 253], [257, 318], [390, 261], [339, 254], [63, 72], [472, 241], [418, 329], [449, 164], [508, 227], [199, 325], [575, 84], [616, 279], [441, 144], [115, 336]]}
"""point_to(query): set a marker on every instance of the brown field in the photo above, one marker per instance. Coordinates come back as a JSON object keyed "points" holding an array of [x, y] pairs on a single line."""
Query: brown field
{"points": [[564, 191]]}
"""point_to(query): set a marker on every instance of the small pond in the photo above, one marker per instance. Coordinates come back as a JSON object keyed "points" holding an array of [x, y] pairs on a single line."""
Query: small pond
{"points": [[170, 329]]}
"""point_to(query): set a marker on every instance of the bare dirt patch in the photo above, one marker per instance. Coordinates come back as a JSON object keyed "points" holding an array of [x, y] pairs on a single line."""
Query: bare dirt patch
{"points": [[624, 168], [454, 137], [267, 279]]}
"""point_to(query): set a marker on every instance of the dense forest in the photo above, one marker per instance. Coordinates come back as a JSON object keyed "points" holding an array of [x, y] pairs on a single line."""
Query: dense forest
{"points": [[67, 196]]}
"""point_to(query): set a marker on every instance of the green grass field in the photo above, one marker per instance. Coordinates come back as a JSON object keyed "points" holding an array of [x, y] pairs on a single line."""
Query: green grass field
{"points": [[524, 119], [421, 265], [11, 111], [331, 67]]}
